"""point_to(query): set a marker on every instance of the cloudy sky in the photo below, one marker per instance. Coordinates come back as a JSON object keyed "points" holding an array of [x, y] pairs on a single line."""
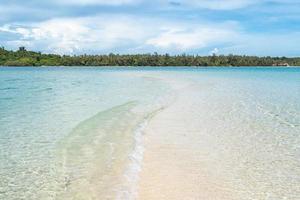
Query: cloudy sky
{"points": [[252, 27]]}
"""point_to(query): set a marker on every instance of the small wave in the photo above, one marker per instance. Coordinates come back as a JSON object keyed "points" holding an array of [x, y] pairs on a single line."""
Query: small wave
{"points": [[45, 90], [9, 88], [284, 117], [136, 158], [6, 98], [276, 116], [13, 79], [129, 192]]}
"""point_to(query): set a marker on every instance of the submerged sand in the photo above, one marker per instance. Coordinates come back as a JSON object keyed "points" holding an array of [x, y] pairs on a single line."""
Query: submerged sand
{"points": [[218, 145], [174, 167]]}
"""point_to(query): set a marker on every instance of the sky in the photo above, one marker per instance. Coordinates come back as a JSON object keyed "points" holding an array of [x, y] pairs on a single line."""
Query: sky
{"points": [[198, 27]]}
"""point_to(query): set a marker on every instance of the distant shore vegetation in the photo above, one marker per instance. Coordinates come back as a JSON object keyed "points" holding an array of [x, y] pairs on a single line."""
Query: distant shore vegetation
{"points": [[23, 57]]}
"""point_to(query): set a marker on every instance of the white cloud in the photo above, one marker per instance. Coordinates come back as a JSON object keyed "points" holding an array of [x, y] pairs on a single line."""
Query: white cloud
{"points": [[207, 4], [98, 2], [214, 51], [286, 44], [186, 38], [217, 4], [107, 33], [228, 4], [132, 34], [73, 35]]}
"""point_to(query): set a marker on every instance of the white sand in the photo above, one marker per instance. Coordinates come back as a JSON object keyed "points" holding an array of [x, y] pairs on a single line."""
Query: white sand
{"points": [[176, 162]]}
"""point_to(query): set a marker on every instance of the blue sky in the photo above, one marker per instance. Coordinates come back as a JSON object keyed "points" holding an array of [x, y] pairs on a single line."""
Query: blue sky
{"points": [[251, 27]]}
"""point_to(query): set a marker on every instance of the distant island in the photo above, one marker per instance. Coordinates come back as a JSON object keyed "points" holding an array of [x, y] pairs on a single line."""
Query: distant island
{"points": [[23, 57]]}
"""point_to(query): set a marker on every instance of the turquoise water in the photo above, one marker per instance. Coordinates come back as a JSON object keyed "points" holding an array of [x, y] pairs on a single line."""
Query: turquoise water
{"points": [[69, 133], [251, 129], [49, 116]]}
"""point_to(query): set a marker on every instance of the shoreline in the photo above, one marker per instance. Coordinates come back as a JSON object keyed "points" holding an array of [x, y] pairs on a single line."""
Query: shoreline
{"points": [[201, 148], [152, 134], [132, 171], [170, 168], [148, 66]]}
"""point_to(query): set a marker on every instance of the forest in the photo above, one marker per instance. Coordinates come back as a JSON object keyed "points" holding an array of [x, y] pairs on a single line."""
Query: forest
{"points": [[23, 57]]}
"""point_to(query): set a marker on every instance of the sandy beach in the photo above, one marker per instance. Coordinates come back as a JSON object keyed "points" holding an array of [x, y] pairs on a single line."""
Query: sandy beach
{"points": [[207, 145], [175, 166]]}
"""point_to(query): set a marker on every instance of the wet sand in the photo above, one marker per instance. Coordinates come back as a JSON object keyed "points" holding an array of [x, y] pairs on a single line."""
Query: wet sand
{"points": [[175, 166]]}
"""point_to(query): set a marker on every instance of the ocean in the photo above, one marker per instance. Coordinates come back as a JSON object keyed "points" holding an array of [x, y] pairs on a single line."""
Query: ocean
{"points": [[83, 132]]}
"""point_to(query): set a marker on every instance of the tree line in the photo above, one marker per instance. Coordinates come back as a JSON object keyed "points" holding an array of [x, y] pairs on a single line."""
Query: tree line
{"points": [[23, 57]]}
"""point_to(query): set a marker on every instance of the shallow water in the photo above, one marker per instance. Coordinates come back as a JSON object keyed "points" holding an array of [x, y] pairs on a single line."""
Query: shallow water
{"points": [[70, 133], [67, 132]]}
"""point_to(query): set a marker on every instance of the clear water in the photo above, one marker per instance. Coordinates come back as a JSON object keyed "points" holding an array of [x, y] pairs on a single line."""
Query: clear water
{"points": [[58, 124], [70, 133], [250, 129]]}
